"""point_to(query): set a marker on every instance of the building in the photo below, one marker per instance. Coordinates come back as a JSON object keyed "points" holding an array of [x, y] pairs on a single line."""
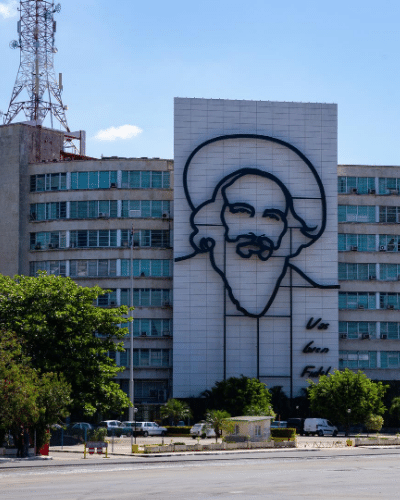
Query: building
{"points": [[369, 269], [73, 216]]}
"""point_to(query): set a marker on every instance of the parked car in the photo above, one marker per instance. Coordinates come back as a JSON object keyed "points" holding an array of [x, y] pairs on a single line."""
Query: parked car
{"points": [[319, 426], [112, 426], [129, 428], [296, 423], [202, 429], [279, 424], [79, 430], [150, 429]]}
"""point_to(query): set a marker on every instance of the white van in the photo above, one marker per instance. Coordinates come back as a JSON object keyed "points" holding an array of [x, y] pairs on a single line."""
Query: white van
{"points": [[202, 429], [320, 427]]}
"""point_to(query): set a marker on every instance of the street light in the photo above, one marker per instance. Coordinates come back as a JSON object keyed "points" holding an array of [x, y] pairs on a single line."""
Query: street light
{"points": [[348, 421]]}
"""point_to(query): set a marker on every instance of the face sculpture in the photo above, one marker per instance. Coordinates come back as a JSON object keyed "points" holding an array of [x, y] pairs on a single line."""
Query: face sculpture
{"points": [[256, 214]]}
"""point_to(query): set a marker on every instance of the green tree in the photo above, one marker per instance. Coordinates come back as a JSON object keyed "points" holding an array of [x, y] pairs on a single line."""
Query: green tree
{"points": [[217, 420], [346, 397], [175, 410], [64, 332], [395, 408], [240, 396], [374, 423]]}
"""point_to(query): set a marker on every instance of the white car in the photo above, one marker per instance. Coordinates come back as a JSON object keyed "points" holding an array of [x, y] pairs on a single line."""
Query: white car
{"points": [[319, 426], [203, 430], [150, 429]]}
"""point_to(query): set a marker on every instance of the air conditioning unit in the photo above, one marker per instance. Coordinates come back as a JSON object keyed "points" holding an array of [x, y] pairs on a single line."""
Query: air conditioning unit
{"points": [[371, 191], [361, 307], [124, 244], [102, 215], [384, 336], [165, 215], [372, 278], [390, 306], [365, 336], [143, 334], [393, 191], [113, 185], [166, 333], [353, 191], [382, 248], [343, 336], [354, 248]]}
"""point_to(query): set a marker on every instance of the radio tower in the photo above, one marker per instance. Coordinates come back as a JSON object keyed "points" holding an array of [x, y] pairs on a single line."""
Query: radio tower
{"points": [[36, 29]]}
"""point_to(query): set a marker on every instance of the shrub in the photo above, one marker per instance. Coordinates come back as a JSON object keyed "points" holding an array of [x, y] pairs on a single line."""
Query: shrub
{"points": [[284, 433], [99, 434], [174, 430]]}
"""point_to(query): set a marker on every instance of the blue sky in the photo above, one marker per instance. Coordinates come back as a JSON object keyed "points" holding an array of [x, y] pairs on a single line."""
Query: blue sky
{"points": [[123, 62]]}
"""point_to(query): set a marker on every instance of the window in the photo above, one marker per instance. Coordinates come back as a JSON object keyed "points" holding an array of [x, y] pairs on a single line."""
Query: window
{"points": [[357, 185], [94, 180], [390, 359], [356, 213], [390, 330], [151, 297], [108, 299], [137, 179], [145, 208], [157, 238], [56, 267], [87, 239], [357, 271], [48, 182], [358, 242], [389, 185], [389, 272], [357, 329], [389, 301], [147, 268], [357, 300], [93, 209], [151, 357], [389, 242], [389, 214], [152, 327], [124, 358], [47, 240], [92, 267], [357, 359], [48, 211]]}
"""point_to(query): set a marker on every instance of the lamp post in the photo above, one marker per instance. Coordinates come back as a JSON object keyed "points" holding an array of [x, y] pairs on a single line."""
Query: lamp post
{"points": [[348, 421]]}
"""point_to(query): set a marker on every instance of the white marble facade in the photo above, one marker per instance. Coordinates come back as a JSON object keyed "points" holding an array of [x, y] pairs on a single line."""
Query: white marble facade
{"points": [[239, 308]]}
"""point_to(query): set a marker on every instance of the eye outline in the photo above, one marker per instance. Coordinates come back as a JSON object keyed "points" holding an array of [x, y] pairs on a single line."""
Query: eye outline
{"points": [[274, 214], [241, 208]]}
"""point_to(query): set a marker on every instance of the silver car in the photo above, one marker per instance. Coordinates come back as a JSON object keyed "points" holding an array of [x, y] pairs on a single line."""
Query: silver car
{"points": [[150, 429]]}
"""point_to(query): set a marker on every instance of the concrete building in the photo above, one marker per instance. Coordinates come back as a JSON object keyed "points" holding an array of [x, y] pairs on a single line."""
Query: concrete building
{"points": [[73, 216], [369, 269]]}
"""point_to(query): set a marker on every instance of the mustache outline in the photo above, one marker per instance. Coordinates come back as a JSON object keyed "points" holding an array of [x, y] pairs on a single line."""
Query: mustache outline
{"points": [[262, 246]]}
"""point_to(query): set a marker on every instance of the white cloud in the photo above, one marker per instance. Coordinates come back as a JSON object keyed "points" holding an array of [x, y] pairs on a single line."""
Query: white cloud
{"points": [[9, 9], [122, 132]]}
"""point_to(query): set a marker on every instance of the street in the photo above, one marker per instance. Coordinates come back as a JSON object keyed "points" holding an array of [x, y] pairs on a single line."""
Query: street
{"points": [[330, 474]]}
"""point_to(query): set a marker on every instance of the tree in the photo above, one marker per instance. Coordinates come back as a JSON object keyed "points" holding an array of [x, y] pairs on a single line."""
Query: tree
{"points": [[374, 423], [217, 420], [64, 332], [240, 396], [175, 410], [346, 397]]}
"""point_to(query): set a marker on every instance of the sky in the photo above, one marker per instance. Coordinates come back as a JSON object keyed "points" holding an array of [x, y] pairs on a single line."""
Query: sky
{"points": [[123, 62]]}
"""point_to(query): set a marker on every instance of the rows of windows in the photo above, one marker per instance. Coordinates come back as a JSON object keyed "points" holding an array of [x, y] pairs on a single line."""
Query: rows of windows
{"points": [[143, 357], [154, 238], [384, 272], [369, 359], [148, 327], [369, 329], [100, 209], [144, 297], [100, 180], [363, 300], [80, 268], [367, 185], [356, 213], [389, 214], [368, 242]]}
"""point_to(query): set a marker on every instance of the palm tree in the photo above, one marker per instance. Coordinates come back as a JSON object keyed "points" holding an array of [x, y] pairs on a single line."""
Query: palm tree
{"points": [[217, 420], [175, 410]]}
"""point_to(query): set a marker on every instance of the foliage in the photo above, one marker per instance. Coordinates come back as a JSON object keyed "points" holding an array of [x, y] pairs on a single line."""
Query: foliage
{"points": [[374, 422], [217, 419], [99, 434], [175, 410], [340, 391], [280, 402], [58, 321], [178, 431], [395, 407], [283, 433], [237, 395]]}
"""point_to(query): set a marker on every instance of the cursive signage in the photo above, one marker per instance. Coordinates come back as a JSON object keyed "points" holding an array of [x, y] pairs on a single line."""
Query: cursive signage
{"points": [[308, 349], [317, 323], [310, 371]]}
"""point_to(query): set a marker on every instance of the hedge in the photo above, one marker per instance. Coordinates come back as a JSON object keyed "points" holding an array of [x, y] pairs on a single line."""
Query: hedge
{"points": [[175, 431], [283, 433]]}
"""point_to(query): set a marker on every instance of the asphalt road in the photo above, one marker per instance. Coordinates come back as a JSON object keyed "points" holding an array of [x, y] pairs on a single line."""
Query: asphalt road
{"points": [[285, 475]]}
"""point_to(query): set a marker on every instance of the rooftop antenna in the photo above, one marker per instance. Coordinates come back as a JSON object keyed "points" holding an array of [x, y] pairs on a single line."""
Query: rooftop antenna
{"points": [[36, 29]]}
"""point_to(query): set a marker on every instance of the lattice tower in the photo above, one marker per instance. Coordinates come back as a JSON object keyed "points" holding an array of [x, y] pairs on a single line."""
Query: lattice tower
{"points": [[36, 29]]}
